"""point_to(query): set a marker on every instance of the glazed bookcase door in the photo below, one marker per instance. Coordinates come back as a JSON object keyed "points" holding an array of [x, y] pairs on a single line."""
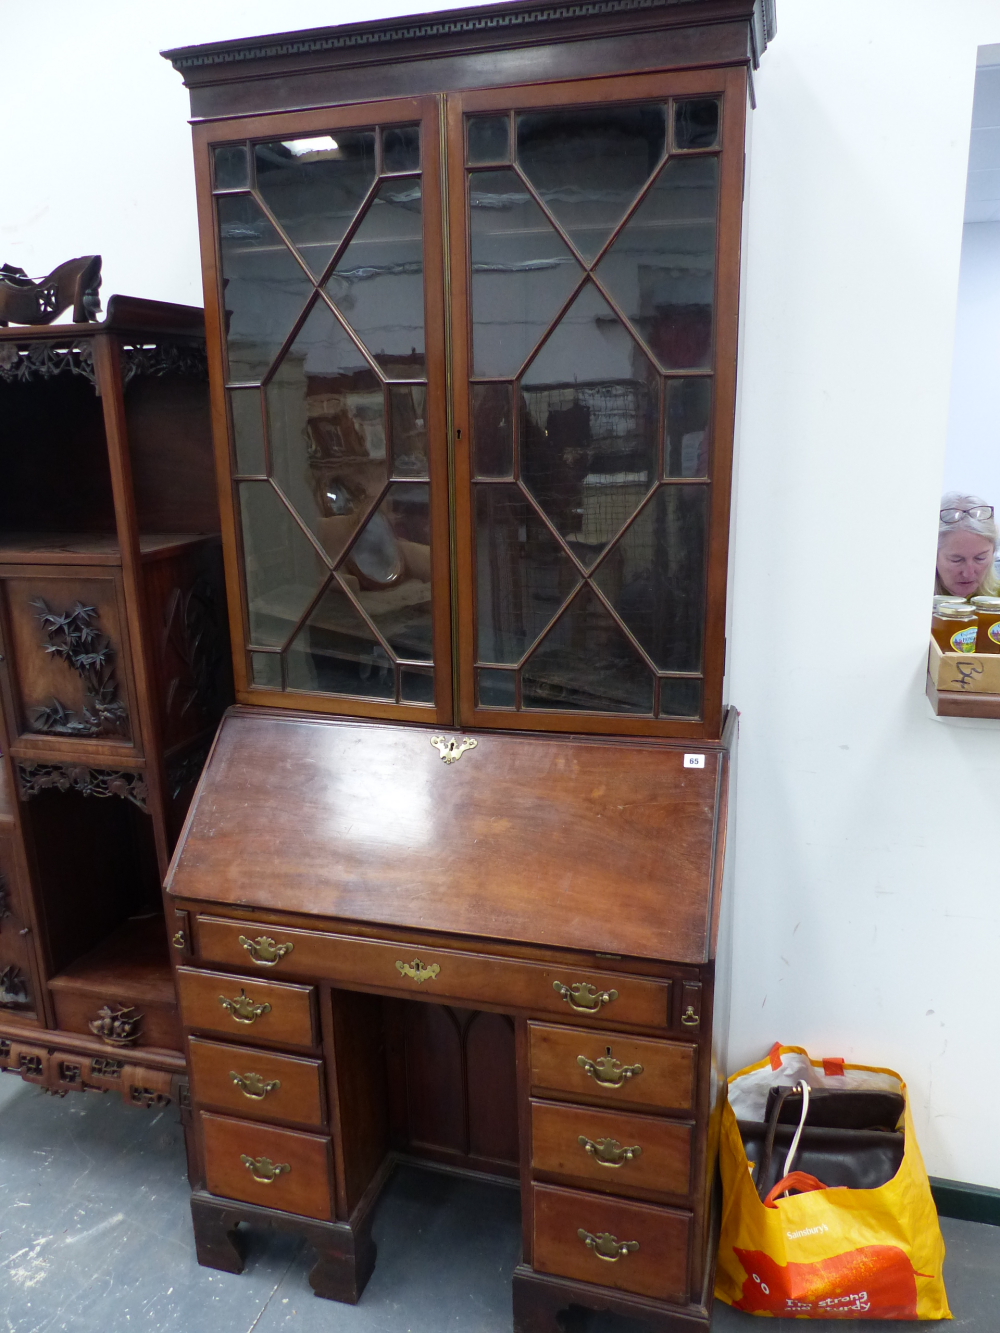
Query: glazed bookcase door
{"points": [[594, 268], [324, 273]]}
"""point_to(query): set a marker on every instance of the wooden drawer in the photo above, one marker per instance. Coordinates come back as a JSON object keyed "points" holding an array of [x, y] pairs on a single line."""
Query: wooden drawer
{"points": [[259, 1084], [655, 1264], [254, 1010], [279, 1168], [619, 1153], [143, 1023], [433, 974], [608, 1067]]}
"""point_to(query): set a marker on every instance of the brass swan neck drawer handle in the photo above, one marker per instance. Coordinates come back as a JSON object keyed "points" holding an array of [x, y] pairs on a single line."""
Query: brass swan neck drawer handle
{"points": [[689, 1018], [263, 1170], [606, 1246], [417, 971], [608, 1071], [450, 749], [254, 1086], [609, 1152], [583, 997], [242, 1008], [265, 951]]}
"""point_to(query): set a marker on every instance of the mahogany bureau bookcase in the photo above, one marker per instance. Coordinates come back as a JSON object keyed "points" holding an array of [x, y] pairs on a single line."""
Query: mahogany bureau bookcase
{"points": [[452, 886]]}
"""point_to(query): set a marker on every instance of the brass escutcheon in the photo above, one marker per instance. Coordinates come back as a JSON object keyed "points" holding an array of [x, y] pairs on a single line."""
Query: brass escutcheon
{"points": [[178, 941], [608, 1071], [450, 749], [609, 1152], [583, 997], [242, 1008], [606, 1246], [263, 950], [254, 1086], [689, 1018], [417, 972], [263, 1170]]}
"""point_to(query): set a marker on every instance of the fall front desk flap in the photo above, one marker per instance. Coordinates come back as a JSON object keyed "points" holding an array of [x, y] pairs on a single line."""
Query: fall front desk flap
{"points": [[575, 843]]}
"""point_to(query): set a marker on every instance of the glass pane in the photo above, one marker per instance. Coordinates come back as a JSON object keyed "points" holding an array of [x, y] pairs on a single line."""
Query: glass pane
{"points": [[661, 269], [336, 652], [496, 688], [489, 139], [266, 670], [589, 421], [408, 405], [388, 569], [522, 272], [264, 289], [248, 431], [680, 698], [284, 571], [231, 169], [416, 686], [493, 429], [696, 122], [689, 409], [315, 186], [401, 148], [378, 285], [523, 575], [655, 577], [326, 416], [589, 165], [585, 662]]}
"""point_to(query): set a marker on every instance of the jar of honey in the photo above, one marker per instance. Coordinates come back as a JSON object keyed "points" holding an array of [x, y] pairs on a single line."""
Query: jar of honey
{"points": [[988, 616], [955, 626], [941, 598]]}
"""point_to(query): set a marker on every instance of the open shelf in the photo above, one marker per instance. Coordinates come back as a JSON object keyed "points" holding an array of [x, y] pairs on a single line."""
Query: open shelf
{"points": [[89, 548]]}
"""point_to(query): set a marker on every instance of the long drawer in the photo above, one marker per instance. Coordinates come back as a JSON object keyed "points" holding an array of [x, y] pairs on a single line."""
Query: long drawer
{"points": [[611, 1151], [279, 1168], [432, 974], [260, 1084], [611, 1068], [245, 1007], [631, 1246]]}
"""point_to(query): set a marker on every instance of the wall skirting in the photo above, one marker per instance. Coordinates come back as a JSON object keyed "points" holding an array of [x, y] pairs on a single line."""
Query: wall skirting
{"points": [[973, 1203]]}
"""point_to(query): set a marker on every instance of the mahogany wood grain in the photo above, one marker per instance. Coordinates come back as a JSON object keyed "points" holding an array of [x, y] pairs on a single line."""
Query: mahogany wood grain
{"points": [[76, 1010], [352, 1027], [299, 1097], [667, 1080], [170, 445], [290, 1020], [304, 1189], [659, 1267]]}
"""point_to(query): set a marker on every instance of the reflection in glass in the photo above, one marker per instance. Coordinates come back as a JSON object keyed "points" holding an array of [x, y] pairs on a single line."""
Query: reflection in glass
{"points": [[336, 652], [589, 408], [522, 272], [264, 291], [661, 269], [493, 429], [680, 698], [689, 409], [585, 662], [388, 569], [655, 577], [589, 164], [284, 571], [266, 669], [248, 431], [378, 284], [401, 148], [314, 186], [326, 417], [416, 686], [523, 575], [408, 406], [696, 122], [488, 139], [231, 169], [496, 689]]}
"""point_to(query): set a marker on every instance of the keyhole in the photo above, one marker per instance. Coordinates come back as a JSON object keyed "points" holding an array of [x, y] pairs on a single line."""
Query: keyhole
{"points": [[458, 435], [608, 1051]]}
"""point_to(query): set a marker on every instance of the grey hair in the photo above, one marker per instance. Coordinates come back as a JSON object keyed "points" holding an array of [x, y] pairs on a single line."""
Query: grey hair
{"points": [[982, 527]]}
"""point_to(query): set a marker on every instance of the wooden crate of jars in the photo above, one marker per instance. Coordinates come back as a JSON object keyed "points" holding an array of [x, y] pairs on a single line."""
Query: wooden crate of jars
{"points": [[967, 673]]}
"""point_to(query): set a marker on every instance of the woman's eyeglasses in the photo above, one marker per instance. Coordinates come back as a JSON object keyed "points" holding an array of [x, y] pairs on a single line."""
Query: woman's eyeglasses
{"points": [[977, 511]]}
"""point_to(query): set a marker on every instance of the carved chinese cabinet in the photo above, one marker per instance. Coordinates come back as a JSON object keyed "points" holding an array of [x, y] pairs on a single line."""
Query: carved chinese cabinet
{"points": [[114, 670], [452, 887]]}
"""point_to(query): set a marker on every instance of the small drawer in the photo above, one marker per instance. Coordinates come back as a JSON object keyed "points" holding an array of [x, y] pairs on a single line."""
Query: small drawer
{"points": [[255, 1083], [633, 1247], [622, 1154], [510, 984], [609, 1067], [255, 1010], [119, 1019], [279, 1168]]}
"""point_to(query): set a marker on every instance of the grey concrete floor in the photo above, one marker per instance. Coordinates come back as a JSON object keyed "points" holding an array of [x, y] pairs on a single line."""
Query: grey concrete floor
{"points": [[95, 1237]]}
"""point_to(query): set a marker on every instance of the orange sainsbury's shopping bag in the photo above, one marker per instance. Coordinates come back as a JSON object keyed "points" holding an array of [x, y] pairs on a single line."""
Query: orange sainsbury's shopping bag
{"points": [[827, 1253]]}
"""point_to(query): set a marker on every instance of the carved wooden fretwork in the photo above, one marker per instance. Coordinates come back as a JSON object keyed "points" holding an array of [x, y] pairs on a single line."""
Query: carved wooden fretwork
{"points": [[43, 360], [185, 768], [35, 777], [13, 986], [164, 358], [103, 1067], [191, 631], [117, 1026], [74, 637], [4, 897], [60, 1072]]}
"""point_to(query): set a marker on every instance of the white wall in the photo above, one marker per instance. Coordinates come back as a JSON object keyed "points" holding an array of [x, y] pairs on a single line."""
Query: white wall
{"points": [[868, 907], [972, 463]]}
